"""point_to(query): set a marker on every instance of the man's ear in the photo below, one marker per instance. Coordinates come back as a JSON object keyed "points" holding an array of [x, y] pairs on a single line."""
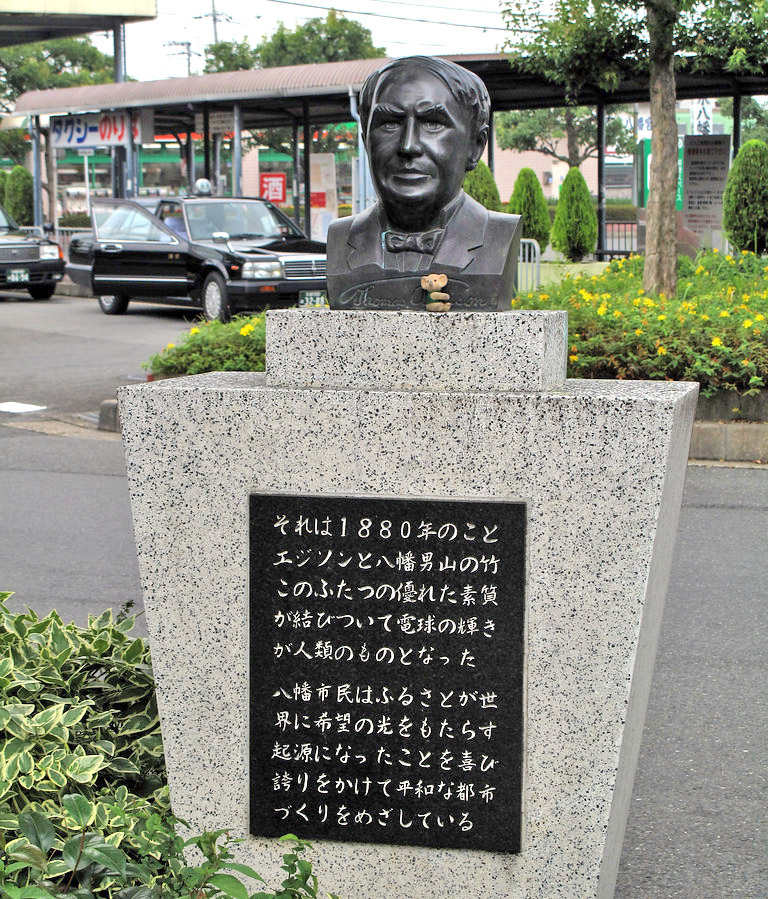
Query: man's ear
{"points": [[476, 149]]}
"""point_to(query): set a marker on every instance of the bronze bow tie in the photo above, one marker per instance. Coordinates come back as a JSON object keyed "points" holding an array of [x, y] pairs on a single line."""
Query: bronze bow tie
{"points": [[416, 241]]}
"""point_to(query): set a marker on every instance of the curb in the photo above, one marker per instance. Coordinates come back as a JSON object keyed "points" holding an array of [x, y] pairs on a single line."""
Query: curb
{"points": [[724, 441], [730, 441]]}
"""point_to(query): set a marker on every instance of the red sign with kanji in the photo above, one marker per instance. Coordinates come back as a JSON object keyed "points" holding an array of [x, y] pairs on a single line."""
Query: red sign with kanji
{"points": [[272, 186]]}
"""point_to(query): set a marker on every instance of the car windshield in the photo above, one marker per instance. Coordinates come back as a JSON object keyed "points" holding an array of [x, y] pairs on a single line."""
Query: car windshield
{"points": [[6, 222], [240, 219]]}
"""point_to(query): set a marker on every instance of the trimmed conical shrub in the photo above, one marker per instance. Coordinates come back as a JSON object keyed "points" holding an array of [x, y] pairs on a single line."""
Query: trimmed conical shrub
{"points": [[745, 201], [479, 184], [528, 201], [574, 230], [19, 196]]}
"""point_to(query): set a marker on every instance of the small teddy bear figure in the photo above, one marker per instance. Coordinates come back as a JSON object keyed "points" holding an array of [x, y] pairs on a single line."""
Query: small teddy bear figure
{"points": [[436, 300]]}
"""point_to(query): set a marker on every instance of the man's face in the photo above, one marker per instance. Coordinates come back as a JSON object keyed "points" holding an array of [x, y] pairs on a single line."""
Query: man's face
{"points": [[420, 142]]}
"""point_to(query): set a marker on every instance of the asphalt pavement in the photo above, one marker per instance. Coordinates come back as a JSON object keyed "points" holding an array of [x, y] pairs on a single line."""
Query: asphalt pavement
{"points": [[698, 822]]}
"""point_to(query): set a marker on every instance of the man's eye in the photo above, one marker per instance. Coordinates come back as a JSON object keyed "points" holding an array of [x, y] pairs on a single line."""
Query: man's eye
{"points": [[434, 125], [388, 125]]}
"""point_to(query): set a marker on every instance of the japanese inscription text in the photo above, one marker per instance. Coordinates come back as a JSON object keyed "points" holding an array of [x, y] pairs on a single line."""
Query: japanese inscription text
{"points": [[387, 670]]}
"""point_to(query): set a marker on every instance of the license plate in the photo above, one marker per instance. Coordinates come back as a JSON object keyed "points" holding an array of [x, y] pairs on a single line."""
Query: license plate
{"points": [[313, 298], [15, 275]]}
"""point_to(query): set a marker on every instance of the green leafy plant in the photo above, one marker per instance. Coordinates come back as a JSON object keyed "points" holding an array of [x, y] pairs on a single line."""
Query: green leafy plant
{"points": [[19, 195], [745, 201], [528, 201], [481, 186], [574, 231], [84, 808], [74, 220], [3, 181], [712, 331], [237, 345]]}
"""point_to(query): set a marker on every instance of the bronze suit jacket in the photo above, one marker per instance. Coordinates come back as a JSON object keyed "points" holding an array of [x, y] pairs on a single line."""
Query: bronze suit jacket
{"points": [[478, 253]]}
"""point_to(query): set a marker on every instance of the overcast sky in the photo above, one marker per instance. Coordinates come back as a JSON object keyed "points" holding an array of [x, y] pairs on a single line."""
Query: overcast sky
{"points": [[453, 26]]}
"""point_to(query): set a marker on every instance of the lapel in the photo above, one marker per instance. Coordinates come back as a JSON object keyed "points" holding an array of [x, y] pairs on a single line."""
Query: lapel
{"points": [[364, 240], [464, 233]]}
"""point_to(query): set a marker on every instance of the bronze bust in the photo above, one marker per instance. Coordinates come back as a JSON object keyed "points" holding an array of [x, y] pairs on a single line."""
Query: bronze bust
{"points": [[425, 124]]}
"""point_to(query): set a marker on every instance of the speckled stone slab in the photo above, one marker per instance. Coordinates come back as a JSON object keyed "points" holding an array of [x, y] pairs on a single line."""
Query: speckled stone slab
{"points": [[600, 465], [416, 350]]}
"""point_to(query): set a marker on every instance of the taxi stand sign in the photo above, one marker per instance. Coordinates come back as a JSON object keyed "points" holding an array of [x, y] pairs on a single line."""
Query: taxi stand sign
{"points": [[96, 129]]}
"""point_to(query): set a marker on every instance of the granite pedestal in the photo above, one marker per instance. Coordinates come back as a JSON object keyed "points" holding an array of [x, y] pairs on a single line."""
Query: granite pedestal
{"points": [[467, 406]]}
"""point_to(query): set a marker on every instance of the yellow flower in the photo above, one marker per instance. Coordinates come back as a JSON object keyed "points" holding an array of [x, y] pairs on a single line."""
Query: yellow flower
{"points": [[543, 296], [170, 346], [725, 313], [759, 317], [716, 341], [699, 270], [661, 318], [638, 331], [194, 330], [661, 351], [746, 361], [748, 323], [705, 317], [574, 358], [246, 329], [715, 250], [602, 309]]}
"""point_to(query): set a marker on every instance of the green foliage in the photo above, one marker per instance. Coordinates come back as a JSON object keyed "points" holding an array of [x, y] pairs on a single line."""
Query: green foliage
{"points": [[745, 201], [66, 62], [332, 39], [237, 345], [574, 231], [230, 56], [79, 710], [84, 808], [754, 117], [544, 130], [3, 180], [712, 331], [19, 196], [528, 201], [74, 220], [481, 186]]}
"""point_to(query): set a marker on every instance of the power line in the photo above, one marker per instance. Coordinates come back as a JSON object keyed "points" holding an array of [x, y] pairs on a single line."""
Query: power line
{"points": [[378, 15], [187, 51], [487, 12]]}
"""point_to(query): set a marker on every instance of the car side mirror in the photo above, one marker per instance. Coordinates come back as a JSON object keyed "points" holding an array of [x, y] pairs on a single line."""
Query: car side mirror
{"points": [[220, 236], [48, 228]]}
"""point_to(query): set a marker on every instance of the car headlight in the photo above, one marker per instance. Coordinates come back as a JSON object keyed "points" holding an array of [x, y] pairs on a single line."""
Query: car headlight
{"points": [[271, 269], [49, 251]]}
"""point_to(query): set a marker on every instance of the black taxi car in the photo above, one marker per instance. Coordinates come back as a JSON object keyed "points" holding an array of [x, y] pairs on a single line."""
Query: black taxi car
{"points": [[224, 254], [28, 262]]}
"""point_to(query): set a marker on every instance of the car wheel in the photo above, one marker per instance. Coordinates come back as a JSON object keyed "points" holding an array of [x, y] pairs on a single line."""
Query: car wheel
{"points": [[42, 291], [215, 300], [113, 305]]}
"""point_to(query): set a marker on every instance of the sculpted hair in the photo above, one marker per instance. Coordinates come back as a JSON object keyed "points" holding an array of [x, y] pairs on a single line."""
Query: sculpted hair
{"points": [[464, 85]]}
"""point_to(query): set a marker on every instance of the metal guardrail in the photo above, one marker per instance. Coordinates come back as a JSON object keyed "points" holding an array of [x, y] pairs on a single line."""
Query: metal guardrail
{"points": [[620, 238], [62, 237], [528, 266]]}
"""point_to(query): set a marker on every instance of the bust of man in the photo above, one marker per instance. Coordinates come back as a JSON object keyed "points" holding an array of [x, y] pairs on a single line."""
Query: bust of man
{"points": [[425, 125]]}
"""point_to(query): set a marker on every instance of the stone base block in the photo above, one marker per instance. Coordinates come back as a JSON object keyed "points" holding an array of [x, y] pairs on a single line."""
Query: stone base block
{"points": [[600, 466]]}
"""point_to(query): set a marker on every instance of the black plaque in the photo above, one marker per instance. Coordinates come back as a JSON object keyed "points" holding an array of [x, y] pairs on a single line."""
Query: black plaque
{"points": [[386, 670]]}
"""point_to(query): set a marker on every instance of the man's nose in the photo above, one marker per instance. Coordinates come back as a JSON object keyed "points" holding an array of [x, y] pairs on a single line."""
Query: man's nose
{"points": [[410, 142]]}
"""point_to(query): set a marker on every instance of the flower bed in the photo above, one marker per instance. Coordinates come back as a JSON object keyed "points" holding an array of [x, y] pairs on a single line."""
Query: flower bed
{"points": [[714, 331]]}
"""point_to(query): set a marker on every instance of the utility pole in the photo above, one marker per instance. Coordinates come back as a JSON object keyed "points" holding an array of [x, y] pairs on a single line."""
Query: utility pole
{"points": [[215, 17], [187, 51]]}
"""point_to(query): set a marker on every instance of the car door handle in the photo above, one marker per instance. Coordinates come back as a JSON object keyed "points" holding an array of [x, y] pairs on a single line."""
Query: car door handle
{"points": [[111, 247]]}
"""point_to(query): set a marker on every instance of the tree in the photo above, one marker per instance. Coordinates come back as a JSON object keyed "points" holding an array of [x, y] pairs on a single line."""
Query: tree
{"points": [[481, 186], [745, 201], [230, 56], [19, 196], [577, 44], [528, 201], [544, 130], [332, 39], [754, 117], [67, 62], [574, 230]]}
